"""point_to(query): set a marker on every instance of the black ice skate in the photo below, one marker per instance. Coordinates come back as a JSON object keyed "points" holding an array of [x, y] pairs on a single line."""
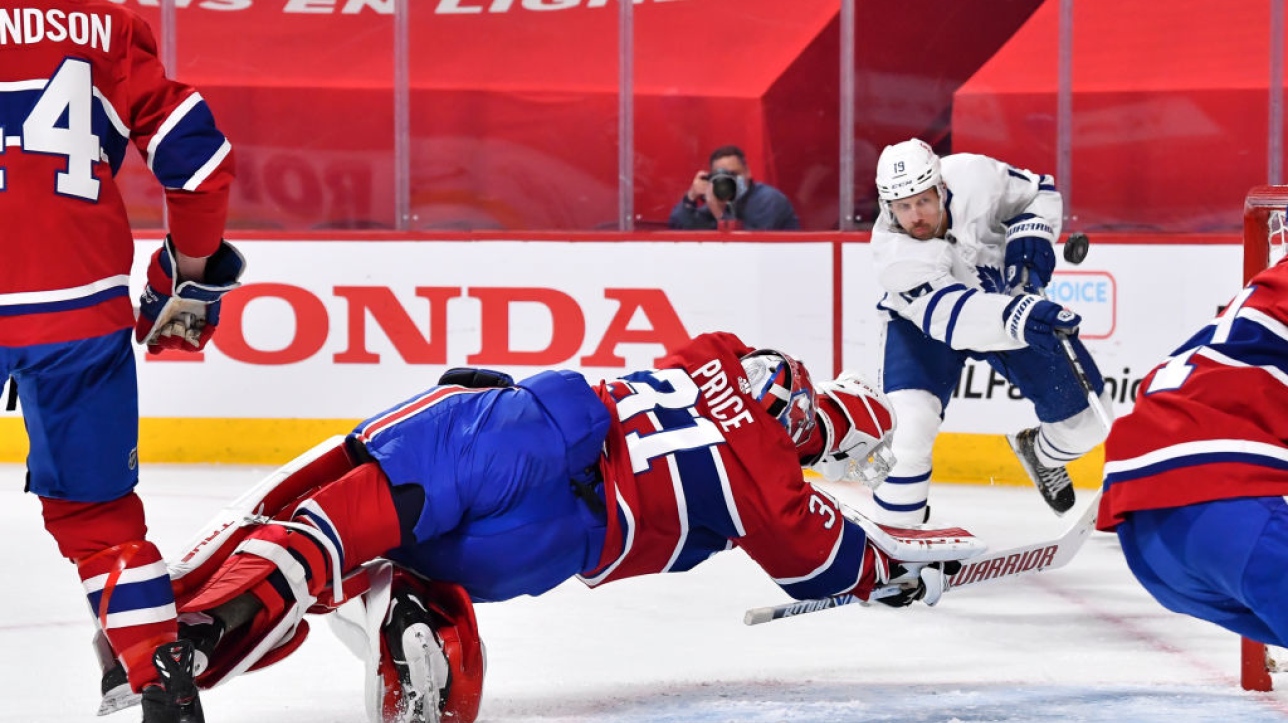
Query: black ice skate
{"points": [[417, 656], [175, 699], [205, 631], [115, 687], [1052, 482]]}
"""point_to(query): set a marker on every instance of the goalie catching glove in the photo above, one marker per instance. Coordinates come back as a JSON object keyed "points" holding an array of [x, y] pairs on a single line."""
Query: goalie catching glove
{"points": [[855, 421], [182, 314]]}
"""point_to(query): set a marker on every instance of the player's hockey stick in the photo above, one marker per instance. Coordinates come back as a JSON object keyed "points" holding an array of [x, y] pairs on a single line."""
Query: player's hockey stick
{"points": [[1093, 400], [1001, 565], [1075, 251]]}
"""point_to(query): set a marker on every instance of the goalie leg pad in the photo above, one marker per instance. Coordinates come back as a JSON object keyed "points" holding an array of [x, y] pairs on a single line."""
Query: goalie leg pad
{"points": [[274, 497], [357, 514], [298, 558], [283, 569], [288, 566]]}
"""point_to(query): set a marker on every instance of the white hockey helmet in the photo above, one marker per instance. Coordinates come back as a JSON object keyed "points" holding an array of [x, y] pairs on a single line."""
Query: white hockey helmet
{"points": [[906, 169]]}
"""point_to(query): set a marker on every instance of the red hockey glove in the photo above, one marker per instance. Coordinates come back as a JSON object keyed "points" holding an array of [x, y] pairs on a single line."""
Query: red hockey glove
{"points": [[184, 315]]}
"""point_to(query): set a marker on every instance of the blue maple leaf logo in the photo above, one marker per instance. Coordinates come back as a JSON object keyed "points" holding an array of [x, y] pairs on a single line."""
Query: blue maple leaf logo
{"points": [[991, 279]]}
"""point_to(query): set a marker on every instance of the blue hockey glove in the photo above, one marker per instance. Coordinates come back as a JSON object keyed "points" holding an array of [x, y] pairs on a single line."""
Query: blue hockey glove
{"points": [[1039, 323], [1030, 258], [184, 315]]}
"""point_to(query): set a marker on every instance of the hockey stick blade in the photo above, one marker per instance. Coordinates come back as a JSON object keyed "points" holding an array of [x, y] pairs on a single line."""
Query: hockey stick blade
{"points": [[1002, 565], [1030, 558]]}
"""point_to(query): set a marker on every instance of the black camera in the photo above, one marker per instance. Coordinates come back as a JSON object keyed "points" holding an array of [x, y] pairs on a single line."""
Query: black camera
{"points": [[724, 185]]}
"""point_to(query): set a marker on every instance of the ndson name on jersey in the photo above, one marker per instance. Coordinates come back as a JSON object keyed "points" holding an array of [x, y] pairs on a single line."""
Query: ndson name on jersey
{"points": [[26, 26]]}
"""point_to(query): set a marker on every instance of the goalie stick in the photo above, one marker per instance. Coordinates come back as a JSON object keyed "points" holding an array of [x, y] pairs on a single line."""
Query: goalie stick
{"points": [[1002, 565]]}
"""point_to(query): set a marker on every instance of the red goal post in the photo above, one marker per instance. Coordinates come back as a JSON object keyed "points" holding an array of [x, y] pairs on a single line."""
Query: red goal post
{"points": [[1263, 244]]}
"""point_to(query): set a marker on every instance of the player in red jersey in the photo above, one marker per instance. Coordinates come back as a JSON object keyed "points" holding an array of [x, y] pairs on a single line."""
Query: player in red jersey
{"points": [[79, 82], [1195, 476], [482, 489]]}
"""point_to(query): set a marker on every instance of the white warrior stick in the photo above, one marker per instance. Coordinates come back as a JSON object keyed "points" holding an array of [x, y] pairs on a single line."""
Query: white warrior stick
{"points": [[1001, 565]]}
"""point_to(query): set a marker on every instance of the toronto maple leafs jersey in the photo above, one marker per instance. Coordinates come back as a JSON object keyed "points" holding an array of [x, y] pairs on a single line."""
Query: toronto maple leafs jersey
{"points": [[693, 465], [953, 288], [1210, 422], [80, 82]]}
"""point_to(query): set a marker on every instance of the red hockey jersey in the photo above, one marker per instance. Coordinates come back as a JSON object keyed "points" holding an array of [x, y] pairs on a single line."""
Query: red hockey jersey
{"points": [[79, 82], [694, 465], [1211, 422]]}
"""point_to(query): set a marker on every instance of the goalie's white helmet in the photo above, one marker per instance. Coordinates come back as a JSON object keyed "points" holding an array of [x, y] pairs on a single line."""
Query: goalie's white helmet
{"points": [[906, 169], [783, 387]]}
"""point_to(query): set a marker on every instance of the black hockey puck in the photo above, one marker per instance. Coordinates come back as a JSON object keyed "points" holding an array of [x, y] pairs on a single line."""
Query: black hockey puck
{"points": [[1075, 249]]}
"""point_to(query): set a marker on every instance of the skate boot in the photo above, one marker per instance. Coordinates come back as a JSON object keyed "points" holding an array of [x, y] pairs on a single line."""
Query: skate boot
{"points": [[205, 631], [1053, 482], [115, 687], [174, 699], [415, 654]]}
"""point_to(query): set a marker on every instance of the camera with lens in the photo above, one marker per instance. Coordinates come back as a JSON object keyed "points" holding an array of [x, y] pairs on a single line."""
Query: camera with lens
{"points": [[724, 185]]}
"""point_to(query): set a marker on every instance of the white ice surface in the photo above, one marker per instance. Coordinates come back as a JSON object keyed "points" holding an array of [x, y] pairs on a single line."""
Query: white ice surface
{"points": [[1084, 643]]}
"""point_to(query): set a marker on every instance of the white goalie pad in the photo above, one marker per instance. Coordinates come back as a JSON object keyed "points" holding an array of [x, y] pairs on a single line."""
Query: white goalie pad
{"points": [[211, 546]]}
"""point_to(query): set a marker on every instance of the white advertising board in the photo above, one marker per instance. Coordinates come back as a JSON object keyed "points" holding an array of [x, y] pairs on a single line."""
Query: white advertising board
{"points": [[344, 329], [341, 329], [1138, 302]]}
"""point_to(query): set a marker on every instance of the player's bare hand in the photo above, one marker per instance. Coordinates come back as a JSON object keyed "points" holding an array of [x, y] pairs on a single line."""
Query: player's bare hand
{"points": [[701, 187]]}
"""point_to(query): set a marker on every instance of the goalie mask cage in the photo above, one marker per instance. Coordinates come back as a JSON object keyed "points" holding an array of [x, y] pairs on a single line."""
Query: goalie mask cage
{"points": [[1263, 245]]}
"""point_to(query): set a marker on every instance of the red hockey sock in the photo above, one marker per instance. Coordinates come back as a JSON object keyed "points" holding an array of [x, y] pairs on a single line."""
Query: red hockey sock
{"points": [[125, 579], [129, 591]]}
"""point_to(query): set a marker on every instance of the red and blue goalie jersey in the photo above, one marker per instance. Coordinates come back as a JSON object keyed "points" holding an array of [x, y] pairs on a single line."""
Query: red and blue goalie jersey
{"points": [[694, 466], [79, 82], [1211, 422]]}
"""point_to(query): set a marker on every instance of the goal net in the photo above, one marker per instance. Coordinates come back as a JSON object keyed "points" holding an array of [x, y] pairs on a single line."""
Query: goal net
{"points": [[1263, 244]]}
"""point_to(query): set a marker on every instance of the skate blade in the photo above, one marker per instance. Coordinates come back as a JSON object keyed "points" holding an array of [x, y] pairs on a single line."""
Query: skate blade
{"points": [[118, 699]]}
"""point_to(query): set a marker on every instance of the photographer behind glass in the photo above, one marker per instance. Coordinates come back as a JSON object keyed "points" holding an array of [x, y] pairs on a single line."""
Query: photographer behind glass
{"points": [[726, 197]]}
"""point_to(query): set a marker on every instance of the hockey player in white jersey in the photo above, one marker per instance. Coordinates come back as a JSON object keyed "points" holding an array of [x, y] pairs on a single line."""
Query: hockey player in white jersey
{"points": [[963, 248]]}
